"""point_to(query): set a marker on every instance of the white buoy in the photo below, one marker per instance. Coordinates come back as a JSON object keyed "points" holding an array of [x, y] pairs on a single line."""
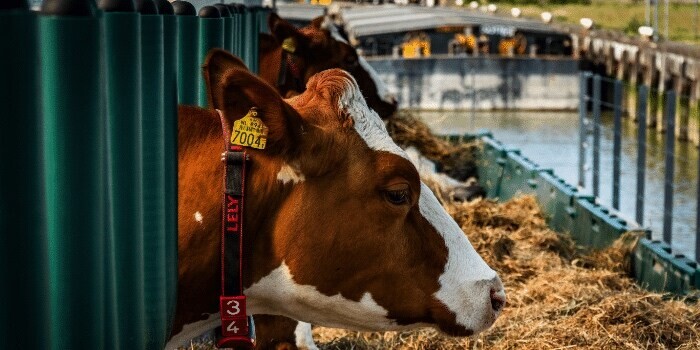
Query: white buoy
{"points": [[546, 17], [586, 23], [492, 8], [646, 31], [473, 5], [515, 12]]}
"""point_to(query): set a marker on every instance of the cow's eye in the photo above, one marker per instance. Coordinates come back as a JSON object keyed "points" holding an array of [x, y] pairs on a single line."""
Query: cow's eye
{"points": [[397, 197]]}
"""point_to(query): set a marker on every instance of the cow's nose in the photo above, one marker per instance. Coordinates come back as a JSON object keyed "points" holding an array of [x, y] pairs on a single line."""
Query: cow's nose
{"points": [[498, 295]]}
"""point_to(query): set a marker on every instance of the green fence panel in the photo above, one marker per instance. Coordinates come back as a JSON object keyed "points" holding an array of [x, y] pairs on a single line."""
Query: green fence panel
{"points": [[152, 74], [74, 147], [125, 262], [211, 35], [187, 52], [518, 176], [595, 227], [238, 12], [170, 148], [228, 26], [252, 37], [490, 166], [556, 198], [658, 269], [24, 269]]}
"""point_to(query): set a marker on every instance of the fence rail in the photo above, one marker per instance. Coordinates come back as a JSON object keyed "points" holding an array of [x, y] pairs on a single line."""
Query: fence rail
{"points": [[598, 92], [88, 144]]}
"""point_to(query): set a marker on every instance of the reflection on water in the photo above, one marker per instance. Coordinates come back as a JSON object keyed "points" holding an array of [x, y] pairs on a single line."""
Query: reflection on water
{"points": [[550, 139]]}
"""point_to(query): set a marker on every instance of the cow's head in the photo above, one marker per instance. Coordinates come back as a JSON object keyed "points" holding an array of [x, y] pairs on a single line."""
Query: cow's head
{"points": [[342, 231], [318, 47]]}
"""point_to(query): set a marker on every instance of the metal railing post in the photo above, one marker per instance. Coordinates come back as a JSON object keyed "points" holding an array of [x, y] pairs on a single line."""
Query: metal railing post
{"points": [[170, 47], [187, 53], [641, 151], [617, 144], [211, 35], [153, 125], [71, 39], [24, 267], [124, 253], [596, 134], [669, 153], [583, 130]]}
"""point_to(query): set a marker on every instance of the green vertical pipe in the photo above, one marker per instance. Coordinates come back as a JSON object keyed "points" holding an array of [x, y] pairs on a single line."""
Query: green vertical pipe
{"points": [[125, 172], [211, 35], [24, 268], [228, 26], [256, 13], [170, 155], [187, 53], [74, 146], [251, 34], [247, 37], [153, 125], [238, 11]]}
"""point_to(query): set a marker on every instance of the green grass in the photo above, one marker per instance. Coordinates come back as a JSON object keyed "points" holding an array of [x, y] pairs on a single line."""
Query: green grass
{"points": [[619, 15]]}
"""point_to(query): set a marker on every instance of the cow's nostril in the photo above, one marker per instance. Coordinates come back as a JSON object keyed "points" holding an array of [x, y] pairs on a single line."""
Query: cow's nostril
{"points": [[498, 299]]}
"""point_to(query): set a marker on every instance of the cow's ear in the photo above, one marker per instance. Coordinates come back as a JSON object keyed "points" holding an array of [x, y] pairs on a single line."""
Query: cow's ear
{"points": [[216, 64], [317, 22], [239, 90], [287, 34]]}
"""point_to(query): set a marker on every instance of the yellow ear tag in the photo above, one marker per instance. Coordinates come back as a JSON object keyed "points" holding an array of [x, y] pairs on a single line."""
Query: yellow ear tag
{"points": [[249, 131], [289, 45]]}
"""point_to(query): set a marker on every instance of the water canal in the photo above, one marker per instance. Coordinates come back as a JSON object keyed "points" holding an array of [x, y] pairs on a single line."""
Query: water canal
{"points": [[550, 139]]}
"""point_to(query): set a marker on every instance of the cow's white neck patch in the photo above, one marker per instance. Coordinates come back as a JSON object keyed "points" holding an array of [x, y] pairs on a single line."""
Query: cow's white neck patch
{"points": [[193, 330], [289, 174], [304, 337], [465, 282], [278, 294]]}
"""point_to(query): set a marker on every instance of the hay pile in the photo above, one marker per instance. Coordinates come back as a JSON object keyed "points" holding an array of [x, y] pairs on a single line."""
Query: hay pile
{"points": [[456, 160], [558, 297]]}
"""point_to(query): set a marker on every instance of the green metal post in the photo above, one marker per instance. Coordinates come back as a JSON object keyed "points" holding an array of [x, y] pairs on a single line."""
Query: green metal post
{"points": [[24, 268], [125, 174], [228, 26], [170, 148], [152, 73], [251, 39], [238, 11], [74, 147], [211, 35], [187, 53]]}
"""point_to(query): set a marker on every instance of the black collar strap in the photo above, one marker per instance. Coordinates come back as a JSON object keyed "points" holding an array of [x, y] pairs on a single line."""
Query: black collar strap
{"points": [[237, 329]]}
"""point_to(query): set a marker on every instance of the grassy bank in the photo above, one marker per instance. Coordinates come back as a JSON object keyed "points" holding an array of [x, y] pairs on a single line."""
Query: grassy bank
{"points": [[618, 15]]}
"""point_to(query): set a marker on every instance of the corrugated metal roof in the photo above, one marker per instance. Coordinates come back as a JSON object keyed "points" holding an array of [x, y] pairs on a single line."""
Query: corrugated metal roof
{"points": [[373, 20], [302, 12]]}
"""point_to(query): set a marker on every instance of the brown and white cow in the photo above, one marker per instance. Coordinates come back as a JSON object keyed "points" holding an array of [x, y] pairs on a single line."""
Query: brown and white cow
{"points": [[342, 233], [317, 47]]}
